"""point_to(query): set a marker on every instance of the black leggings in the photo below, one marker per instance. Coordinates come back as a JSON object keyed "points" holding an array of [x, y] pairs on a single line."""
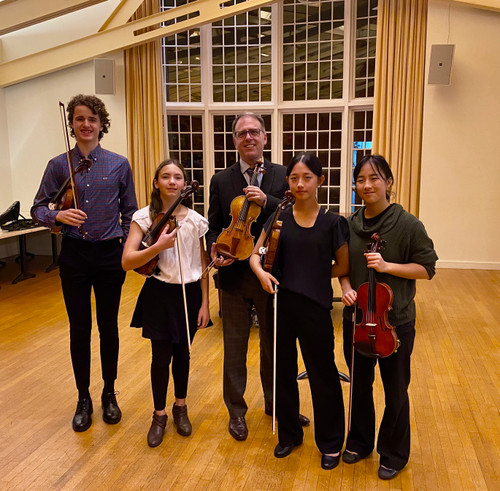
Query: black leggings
{"points": [[162, 353]]}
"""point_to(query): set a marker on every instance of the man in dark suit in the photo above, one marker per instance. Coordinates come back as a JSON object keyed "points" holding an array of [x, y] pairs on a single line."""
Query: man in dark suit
{"points": [[239, 287]]}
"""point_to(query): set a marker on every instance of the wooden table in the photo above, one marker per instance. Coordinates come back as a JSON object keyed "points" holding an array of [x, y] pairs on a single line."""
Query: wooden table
{"points": [[23, 254]]}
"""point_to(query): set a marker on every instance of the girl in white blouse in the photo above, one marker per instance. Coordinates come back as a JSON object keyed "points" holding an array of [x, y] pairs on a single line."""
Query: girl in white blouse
{"points": [[159, 310]]}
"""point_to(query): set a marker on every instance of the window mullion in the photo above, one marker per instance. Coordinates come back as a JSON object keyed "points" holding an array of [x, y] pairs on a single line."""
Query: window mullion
{"points": [[277, 78]]}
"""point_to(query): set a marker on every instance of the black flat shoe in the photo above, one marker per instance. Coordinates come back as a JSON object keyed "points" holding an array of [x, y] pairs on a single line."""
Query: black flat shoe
{"points": [[351, 457], [280, 452], [386, 474], [328, 462], [82, 418], [111, 413]]}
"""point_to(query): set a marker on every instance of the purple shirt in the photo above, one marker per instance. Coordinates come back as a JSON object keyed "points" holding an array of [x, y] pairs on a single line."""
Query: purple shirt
{"points": [[105, 192]]}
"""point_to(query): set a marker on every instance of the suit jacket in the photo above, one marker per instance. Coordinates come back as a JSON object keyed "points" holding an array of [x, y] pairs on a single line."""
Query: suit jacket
{"points": [[227, 185]]}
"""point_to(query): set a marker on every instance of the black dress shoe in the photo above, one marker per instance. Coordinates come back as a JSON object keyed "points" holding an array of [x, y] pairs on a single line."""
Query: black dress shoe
{"points": [[82, 418], [351, 457], [111, 413], [385, 473], [238, 428], [303, 420], [328, 462], [280, 452]]}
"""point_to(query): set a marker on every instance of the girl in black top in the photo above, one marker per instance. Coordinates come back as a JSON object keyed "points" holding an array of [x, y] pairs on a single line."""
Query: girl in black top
{"points": [[310, 241]]}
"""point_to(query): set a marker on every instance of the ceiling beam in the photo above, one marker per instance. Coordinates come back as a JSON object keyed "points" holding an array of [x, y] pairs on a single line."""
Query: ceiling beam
{"points": [[17, 14], [121, 37], [482, 4], [122, 13]]}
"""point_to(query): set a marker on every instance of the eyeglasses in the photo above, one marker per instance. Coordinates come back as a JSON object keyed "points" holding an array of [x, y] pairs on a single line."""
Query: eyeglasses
{"points": [[253, 132]]}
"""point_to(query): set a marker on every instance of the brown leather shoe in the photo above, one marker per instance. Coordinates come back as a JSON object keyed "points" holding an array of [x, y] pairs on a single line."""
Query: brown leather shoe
{"points": [[155, 433], [238, 428], [181, 420]]}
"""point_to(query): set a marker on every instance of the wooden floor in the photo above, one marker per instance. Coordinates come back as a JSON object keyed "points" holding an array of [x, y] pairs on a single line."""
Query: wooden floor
{"points": [[454, 396]]}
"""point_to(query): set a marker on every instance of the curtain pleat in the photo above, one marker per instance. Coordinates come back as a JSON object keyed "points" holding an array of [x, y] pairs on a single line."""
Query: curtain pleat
{"points": [[399, 87], [144, 108]]}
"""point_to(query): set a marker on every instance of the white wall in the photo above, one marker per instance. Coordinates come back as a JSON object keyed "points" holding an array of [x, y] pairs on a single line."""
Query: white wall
{"points": [[29, 112], [5, 173], [35, 129], [460, 179]]}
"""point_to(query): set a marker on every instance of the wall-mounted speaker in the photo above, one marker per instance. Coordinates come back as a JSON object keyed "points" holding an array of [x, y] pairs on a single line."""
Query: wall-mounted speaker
{"points": [[104, 71], [440, 64]]}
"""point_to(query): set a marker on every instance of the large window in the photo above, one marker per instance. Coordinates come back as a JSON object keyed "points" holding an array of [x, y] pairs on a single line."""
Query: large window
{"points": [[241, 57], [313, 50], [307, 67]]}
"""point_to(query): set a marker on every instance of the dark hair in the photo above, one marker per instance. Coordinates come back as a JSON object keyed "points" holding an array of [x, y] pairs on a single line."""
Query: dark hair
{"points": [[95, 105], [156, 204], [308, 159], [252, 115], [379, 165]]}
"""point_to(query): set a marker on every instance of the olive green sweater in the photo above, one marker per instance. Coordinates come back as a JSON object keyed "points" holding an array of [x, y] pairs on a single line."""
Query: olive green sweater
{"points": [[406, 242]]}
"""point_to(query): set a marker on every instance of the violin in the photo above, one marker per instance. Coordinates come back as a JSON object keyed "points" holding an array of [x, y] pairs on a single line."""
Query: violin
{"points": [[161, 221], [67, 195], [236, 241], [269, 250], [374, 337], [63, 199]]}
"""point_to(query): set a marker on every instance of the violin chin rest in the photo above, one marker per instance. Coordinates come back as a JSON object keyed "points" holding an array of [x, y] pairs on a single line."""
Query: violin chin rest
{"points": [[223, 250], [366, 350]]}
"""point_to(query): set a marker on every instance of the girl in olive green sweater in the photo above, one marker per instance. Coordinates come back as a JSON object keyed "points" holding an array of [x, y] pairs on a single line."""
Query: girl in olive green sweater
{"points": [[408, 255]]}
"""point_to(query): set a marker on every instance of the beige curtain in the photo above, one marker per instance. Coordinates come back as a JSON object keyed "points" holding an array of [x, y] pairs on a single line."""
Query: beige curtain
{"points": [[399, 86], [144, 108]]}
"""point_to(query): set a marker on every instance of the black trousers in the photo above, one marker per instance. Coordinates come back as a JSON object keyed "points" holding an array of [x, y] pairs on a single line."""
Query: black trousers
{"points": [[236, 322], [302, 319], [84, 266], [393, 442], [163, 353]]}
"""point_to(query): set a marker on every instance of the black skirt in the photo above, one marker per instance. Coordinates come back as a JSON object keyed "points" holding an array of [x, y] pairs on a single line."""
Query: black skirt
{"points": [[160, 310]]}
